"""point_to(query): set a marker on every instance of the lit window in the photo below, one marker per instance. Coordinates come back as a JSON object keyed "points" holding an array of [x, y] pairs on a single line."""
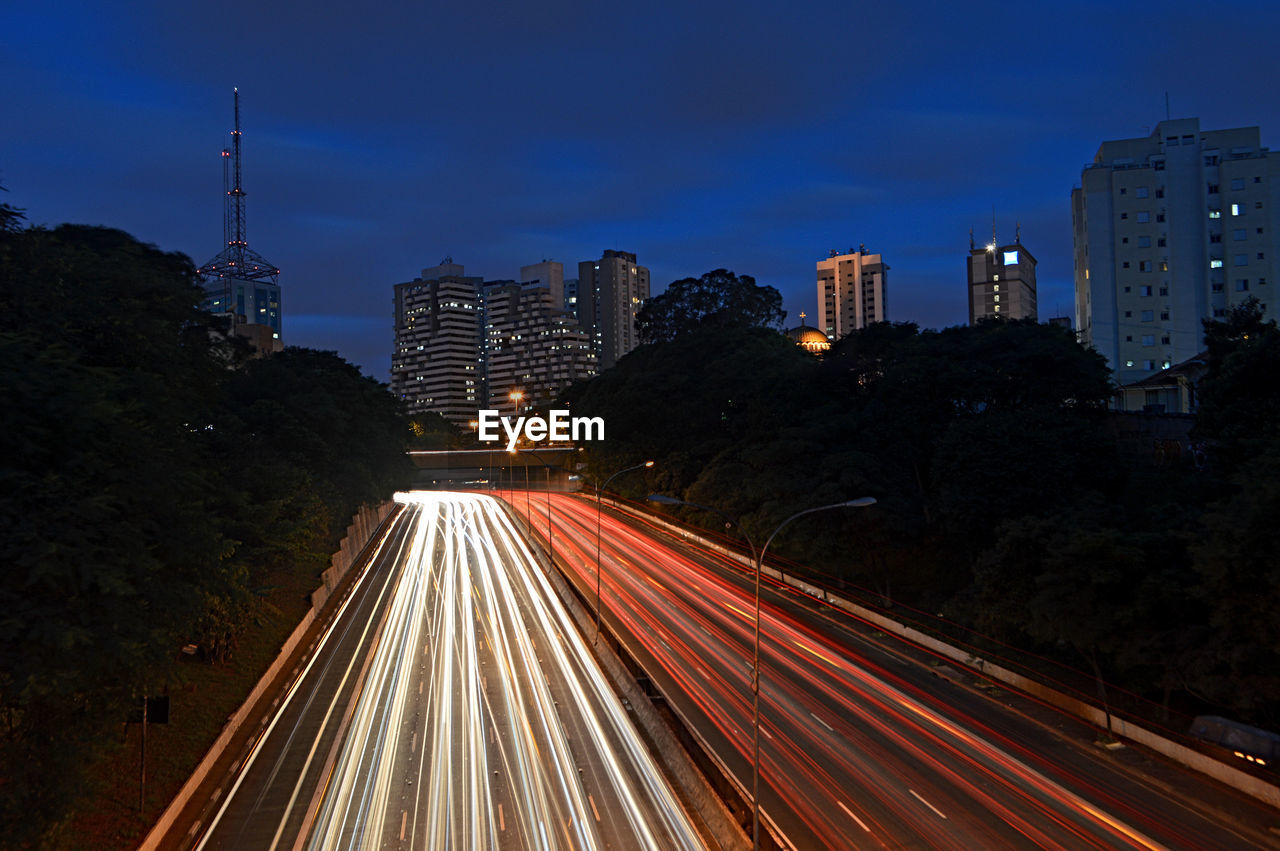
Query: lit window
{"points": [[1011, 258], [1215, 264], [1215, 214], [996, 288], [1235, 209], [997, 308]]}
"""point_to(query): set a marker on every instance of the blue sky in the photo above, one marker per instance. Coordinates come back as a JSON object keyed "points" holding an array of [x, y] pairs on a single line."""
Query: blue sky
{"points": [[754, 136]]}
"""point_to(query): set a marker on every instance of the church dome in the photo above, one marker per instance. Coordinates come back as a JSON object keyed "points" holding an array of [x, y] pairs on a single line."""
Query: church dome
{"points": [[810, 339]]}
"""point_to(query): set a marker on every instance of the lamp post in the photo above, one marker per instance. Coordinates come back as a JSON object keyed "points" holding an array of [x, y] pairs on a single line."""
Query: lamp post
{"points": [[599, 491], [755, 668], [546, 468]]}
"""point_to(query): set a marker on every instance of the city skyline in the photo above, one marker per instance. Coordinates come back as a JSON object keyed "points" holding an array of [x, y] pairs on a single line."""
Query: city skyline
{"points": [[701, 139]]}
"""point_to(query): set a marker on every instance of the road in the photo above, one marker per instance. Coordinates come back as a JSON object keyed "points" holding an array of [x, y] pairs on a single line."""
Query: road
{"points": [[860, 747], [451, 706]]}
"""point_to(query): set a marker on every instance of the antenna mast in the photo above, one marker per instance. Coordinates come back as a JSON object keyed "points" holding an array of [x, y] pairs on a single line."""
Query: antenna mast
{"points": [[235, 198], [236, 260]]}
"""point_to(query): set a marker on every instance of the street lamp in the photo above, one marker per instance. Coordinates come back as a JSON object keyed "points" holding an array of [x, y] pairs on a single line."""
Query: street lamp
{"points": [[546, 468], [861, 502], [599, 490]]}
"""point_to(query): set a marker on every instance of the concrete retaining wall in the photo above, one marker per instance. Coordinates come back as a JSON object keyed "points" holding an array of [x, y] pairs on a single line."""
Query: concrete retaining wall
{"points": [[363, 525], [1180, 753]]}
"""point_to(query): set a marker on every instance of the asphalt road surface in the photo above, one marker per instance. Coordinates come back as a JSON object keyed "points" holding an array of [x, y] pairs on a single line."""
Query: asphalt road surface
{"points": [[452, 705], [861, 746]]}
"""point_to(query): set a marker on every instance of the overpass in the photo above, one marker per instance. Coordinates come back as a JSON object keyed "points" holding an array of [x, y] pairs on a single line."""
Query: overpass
{"points": [[484, 469]]}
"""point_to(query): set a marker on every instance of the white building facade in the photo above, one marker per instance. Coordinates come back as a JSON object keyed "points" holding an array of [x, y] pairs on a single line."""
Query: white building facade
{"points": [[1171, 229]]}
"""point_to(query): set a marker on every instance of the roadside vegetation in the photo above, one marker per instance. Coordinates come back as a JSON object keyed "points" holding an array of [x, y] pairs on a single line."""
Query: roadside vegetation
{"points": [[159, 488], [1006, 502]]}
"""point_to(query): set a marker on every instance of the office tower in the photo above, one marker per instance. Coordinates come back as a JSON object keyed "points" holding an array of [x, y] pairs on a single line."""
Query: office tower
{"points": [[532, 346], [1002, 281], [1171, 229], [240, 283], [851, 292], [610, 293], [437, 364]]}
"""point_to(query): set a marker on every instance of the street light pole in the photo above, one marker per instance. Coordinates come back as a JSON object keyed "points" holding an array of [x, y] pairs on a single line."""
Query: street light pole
{"points": [[546, 468], [599, 491], [755, 667]]}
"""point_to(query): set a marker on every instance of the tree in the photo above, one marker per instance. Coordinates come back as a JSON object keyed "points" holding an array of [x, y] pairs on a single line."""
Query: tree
{"points": [[108, 546], [1240, 394], [719, 299]]}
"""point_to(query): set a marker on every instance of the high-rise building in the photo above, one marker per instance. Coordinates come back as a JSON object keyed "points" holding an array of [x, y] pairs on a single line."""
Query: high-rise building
{"points": [[532, 346], [463, 343], [1002, 281], [851, 292], [610, 293], [437, 364], [1171, 229]]}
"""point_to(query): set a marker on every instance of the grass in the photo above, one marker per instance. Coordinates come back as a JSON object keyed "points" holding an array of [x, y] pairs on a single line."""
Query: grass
{"points": [[199, 707]]}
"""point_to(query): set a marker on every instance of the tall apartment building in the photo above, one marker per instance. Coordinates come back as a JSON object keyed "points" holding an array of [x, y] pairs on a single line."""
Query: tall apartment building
{"points": [[1170, 229], [610, 293], [1002, 281], [851, 292], [532, 345], [437, 364]]}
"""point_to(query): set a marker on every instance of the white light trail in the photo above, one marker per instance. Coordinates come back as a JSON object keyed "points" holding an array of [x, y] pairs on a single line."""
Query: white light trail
{"points": [[485, 753]]}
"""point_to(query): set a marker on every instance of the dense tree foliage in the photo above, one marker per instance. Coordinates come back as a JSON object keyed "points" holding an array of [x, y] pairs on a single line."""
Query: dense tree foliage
{"points": [[1004, 498], [150, 479], [719, 299]]}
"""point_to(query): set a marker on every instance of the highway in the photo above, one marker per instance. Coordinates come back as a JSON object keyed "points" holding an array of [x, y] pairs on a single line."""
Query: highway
{"points": [[860, 747], [450, 706]]}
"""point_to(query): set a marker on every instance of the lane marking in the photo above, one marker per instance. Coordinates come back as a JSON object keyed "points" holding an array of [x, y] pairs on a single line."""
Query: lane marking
{"points": [[926, 803], [593, 806], [806, 648], [502, 820], [217, 793], [820, 721], [852, 816], [404, 817], [420, 682], [413, 743]]}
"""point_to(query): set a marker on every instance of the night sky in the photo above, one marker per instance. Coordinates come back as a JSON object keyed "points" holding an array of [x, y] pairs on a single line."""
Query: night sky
{"points": [[756, 136]]}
